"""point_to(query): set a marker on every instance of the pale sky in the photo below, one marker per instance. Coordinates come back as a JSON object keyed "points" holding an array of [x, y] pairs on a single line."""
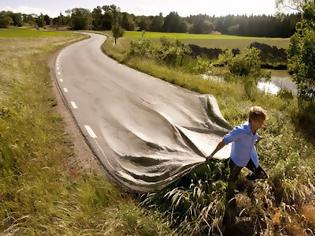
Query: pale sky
{"points": [[146, 7]]}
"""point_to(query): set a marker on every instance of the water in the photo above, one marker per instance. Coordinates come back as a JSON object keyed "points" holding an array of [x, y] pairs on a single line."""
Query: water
{"points": [[276, 83], [268, 87], [279, 80]]}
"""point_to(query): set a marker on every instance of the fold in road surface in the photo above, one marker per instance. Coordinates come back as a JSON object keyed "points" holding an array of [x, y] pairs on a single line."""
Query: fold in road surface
{"points": [[145, 131]]}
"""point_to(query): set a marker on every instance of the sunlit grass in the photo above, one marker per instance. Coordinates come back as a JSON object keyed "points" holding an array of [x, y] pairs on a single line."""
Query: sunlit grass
{"points": [[139, 34], [31, 33], [210, 40], [40, 192]]}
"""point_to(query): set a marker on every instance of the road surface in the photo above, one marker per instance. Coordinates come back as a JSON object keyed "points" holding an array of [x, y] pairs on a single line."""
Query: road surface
{"points": [[146, 132]]}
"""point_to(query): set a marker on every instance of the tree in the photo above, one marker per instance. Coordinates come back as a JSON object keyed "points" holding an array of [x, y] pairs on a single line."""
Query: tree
{"points": [[109, 13], [97, 16], [301, 53], [117, 31], [127, 21], [143, 23], [40, 20], [201, 24], [17, 19], [29, 19], [61, 20], [296, 5], [5, 19], [157, 23], [81, 19], [174, 23], [301, 62], [47, 20]]}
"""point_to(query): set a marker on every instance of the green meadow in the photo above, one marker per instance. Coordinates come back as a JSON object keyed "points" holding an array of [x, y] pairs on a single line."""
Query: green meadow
{"points": [[209, 40], [31, 33]]}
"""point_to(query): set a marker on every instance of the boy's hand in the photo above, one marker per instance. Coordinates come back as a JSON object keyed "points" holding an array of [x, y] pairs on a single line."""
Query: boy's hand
{"points": [[209, 157]]}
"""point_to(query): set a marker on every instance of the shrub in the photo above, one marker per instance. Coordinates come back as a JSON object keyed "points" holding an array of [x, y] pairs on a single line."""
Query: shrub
{"points": [[141, 48], [285, 94], [201, 65], [245, 63], [172, 53]]}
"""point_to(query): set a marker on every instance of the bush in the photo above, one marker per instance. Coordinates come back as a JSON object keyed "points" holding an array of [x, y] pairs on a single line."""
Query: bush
{"points": [[285, 94], [245, 63], [172, 53], [201, 65], [250, 87], [141, 48]]}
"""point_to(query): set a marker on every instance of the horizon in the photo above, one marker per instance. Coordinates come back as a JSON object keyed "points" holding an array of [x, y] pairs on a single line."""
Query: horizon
{"points": [[142, 7]]}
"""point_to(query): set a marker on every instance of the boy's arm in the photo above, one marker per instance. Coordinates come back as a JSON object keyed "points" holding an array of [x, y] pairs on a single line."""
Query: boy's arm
{"points": [[218, 148], [228, 138]]}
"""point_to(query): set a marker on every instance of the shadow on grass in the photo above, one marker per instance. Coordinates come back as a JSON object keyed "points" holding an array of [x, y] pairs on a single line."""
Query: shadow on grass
{"points": [[305, 120]]}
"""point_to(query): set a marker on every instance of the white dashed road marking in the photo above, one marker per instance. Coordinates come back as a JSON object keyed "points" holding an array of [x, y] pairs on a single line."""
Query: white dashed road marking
{"points": [[90, 131], [61, 80], [65, 89], [74, 105]]}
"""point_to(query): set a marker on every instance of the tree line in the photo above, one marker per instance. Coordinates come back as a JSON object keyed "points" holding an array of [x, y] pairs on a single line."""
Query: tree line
{"points": [[104, 17]]}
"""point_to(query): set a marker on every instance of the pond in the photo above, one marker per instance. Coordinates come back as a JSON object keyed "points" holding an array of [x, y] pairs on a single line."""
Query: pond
{"points": [[280, 79]]}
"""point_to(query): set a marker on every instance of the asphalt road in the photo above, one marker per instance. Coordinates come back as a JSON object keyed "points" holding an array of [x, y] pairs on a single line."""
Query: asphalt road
{"points": [[145, 131]]}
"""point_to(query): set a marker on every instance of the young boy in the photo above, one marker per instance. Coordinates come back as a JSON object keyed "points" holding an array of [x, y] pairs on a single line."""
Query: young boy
{"points": [[243, 152]]}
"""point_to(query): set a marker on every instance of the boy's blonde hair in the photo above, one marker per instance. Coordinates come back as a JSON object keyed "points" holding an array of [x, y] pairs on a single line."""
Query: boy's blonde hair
{"points": [[256, 113]]}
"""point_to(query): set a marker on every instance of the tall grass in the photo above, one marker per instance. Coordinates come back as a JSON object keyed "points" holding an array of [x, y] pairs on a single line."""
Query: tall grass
{"points": [[40, 192], [198, 203]]}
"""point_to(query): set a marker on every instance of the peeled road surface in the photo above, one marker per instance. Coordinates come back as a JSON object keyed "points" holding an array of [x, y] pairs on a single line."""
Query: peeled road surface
{"points": [[146, 132]]}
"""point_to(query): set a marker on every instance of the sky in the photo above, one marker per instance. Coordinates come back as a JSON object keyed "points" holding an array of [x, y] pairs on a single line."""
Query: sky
{"points": [[146, 7]]}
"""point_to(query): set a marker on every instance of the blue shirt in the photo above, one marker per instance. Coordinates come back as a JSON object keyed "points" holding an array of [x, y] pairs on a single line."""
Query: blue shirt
{"points": [[243, 148]]}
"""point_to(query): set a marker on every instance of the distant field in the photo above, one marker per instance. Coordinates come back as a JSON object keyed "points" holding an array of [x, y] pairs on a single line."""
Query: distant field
{"points": [[211, 40], [30, 32]]}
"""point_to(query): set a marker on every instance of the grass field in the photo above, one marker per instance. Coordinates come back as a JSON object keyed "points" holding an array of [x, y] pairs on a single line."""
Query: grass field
{"points": [[31, 33], [41, 192], [210, 40]]}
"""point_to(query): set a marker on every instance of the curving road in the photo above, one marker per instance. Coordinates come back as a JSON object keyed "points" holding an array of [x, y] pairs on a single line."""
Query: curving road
{"points": [[146, 132]]}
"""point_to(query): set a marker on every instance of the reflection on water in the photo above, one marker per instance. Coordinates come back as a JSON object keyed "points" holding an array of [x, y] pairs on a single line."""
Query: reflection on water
{"points": [[268, 87], [279, 80]]}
